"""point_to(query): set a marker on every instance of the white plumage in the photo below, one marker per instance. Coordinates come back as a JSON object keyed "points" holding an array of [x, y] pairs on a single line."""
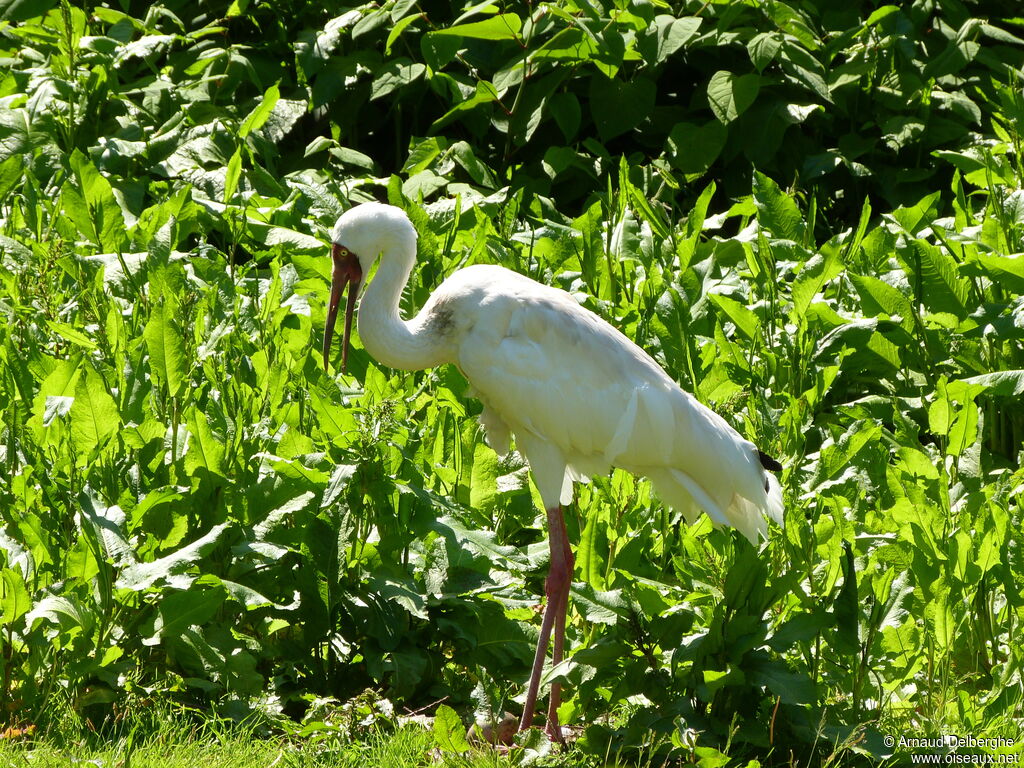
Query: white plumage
{"points": [[577, 395]]}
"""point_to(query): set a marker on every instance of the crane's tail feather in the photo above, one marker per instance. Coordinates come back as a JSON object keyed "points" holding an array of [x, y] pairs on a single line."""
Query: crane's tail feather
{"points": [[749, 517]]}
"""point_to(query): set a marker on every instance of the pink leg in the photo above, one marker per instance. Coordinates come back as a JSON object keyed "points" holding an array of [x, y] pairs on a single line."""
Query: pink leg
{"points": [[557, 590], [553, 730]]}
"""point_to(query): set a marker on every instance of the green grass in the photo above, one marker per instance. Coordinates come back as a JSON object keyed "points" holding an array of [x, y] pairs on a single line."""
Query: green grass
{"points": [[177, 747]]}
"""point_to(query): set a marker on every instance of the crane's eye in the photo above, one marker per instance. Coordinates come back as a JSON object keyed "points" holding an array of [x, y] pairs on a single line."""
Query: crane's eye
{"points": [[343, 252]]}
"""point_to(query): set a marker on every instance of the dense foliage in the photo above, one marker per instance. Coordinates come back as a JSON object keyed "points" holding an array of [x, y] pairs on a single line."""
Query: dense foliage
{"points": [[810, 213]]}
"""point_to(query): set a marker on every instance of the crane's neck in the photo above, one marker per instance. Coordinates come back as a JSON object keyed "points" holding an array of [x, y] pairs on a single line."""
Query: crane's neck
{"points": [[409, 345]]}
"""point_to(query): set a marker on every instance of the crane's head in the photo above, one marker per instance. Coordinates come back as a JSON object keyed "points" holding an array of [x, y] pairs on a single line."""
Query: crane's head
{"points": [[360, 236]]}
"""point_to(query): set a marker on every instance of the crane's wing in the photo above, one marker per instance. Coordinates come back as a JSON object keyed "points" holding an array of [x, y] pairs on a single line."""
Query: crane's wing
{"points": [[580, 397]]}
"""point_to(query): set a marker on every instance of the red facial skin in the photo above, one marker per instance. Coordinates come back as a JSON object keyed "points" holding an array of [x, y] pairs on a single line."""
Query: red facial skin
{"points": [[346, 271]]}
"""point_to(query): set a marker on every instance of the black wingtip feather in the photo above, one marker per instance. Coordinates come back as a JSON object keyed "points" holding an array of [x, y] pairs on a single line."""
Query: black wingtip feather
{"points": [[768, 462]]}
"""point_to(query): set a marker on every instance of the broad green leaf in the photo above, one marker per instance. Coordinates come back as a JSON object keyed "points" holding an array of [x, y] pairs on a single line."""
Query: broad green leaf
{"points": [[62, 611], [14, 133], [205, 451], [801, 67], [166, 348], [600, 607], [880, 13], [399, 28], [503, 26], [940, 412], [963, 433], [256, 119], [791, 686], [730, 96], [396, 74], [93, 207], [810, 281], [484, 93], [763, 48], [592, 550], [480, 544], [56, 406], [1007, 271], [232, 175], [60, 385], [194, 607], [944, 290], [15, 601], [340, 479], [999, 383], [173, 568], [618, 106], [878, 297], [846, 608], [94, 414], [449, 732], [666, 36], [777, 213], [72, 334], [402, 593], [107, 528], [939, 617], [746, 322], [483, 481], [693, 149]]}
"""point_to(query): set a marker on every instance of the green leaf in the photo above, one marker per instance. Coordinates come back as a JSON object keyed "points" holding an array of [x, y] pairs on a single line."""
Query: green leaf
{"points": [[666, 36], [801, 67], [107, 528], [847, 607], [483, 481], [484, 93], [94, 414], [944, 290], [729, 96], [877, 297], [449, 732], [14, 133], [255, 119], [964, 431], [999, 383], [1007, 271], [15, 601], [172, 568], [232, 175], [763, 48], [398, 29], [592, 550], [746, 322], [504, 26], [692, 149], [813, 276], [93, 207], [396, 74], [600, 607], [618, 106], [166, 348], [204, 450], [194, 607], [777, 213], [939, 616]]}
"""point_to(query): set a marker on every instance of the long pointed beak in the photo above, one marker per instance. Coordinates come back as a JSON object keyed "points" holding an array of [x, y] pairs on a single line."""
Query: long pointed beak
{"points": [[346, 272]]}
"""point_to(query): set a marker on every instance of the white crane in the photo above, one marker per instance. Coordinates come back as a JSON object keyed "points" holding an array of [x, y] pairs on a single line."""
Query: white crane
{"points": [[578, 396]]}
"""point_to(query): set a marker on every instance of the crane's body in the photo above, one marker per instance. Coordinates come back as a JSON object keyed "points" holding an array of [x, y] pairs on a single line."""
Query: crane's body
{"points": [[574, 392]]}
